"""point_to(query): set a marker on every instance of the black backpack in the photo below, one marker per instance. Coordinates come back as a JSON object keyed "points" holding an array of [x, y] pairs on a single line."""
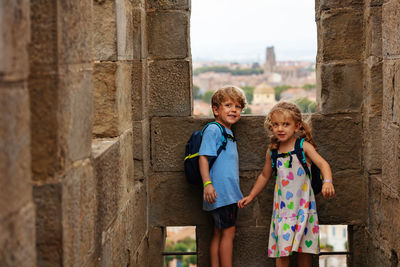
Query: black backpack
{"points": [[316, 179], [191, 161]]}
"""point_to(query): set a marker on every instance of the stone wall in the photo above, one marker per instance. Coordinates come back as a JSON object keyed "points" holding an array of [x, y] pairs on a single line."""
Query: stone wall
{"points": [[96, 107]]}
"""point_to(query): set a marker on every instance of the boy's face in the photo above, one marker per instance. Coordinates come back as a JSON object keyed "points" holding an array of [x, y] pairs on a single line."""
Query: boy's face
{"points": [[228, 113], [283, 126]]}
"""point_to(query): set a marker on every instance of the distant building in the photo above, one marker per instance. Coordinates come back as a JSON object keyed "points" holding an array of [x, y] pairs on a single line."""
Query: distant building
{"points": [[263, 94], [296, 93]]}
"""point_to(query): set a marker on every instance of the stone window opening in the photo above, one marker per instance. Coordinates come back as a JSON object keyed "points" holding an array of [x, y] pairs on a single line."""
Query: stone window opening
{"points": [[180, 246], [334, 245]]}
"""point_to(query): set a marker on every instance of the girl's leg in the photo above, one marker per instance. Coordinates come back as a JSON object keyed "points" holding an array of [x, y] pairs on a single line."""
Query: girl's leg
{"points": [[304, 259], [282, 262], [214, 247], [226, 246]]}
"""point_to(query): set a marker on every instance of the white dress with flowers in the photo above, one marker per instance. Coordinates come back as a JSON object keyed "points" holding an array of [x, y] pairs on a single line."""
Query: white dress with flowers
{"points": [[294, 223]]}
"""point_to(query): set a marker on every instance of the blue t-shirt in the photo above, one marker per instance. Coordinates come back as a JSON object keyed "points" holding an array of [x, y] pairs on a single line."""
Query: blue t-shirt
{"points": [[224, 173]]}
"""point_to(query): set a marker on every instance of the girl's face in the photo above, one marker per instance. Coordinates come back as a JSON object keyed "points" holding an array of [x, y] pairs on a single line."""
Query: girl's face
{"points": [[283, 126]]}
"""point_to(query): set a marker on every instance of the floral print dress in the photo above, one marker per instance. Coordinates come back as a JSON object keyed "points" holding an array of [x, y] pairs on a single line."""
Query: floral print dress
{"points": [[294, 222]]}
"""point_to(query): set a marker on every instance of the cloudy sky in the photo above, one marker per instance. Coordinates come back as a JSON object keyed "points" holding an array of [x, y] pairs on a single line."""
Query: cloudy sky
{"points": [[240, 30]]}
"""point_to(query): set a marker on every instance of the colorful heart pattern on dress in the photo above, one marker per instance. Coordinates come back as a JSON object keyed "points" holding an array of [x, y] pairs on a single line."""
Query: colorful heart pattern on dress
{"points": [[285, 182], [287, 164], [286, 236], [286, 227], [290, 205], [300, 172], [308, 243], [290, 176], [302, 201], [289, 195]]}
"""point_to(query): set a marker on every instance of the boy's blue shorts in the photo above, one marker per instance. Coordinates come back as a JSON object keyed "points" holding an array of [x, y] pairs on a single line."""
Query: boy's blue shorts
{"points": [[225, 217]]}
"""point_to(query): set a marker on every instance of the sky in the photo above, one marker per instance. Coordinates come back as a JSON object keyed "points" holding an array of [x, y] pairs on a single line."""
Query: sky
{"points": [[240, 30]]}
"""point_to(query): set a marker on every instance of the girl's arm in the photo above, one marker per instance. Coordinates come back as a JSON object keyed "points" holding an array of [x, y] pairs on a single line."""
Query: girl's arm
{"points": [[261, 182], [209, 193], [327, 188]]}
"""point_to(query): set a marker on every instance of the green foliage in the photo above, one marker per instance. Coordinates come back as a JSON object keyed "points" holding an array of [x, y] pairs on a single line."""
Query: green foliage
{"points": [[196, 92], [207, 96], [308, 86], [248, 91], [179, 247], [327, 247], [224, 69], [279, 89], [191, 259], [246, 110], [306, 105]]}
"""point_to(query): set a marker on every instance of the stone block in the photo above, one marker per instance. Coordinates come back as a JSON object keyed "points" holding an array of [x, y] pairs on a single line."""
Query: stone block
{"points": [[156, 244], [140, 104], [351, 192], [321, 5], [141, 140], [105, 31], [252, 142], [17, 238], [138, 3], [376, 219], [168, 4], [126, 164], [170, 88], [373, 78], [125, 29], [168, 138], [107, 170], [78, 214], [139, 217], [184, 208], [373, 145], [141, 257], [139, 34], [250, 247], [391, 91], [339, 140], [15, 155], [112, 98], [48, 203], [341, 87], [15, 37], [168, 35], [390, 156], [340, 35], [373, 31], [390, 29], [74, 42]]}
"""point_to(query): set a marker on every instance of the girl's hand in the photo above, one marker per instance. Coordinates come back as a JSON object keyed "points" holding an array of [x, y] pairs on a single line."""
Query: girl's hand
{"points": [[244, 201], [209, 194], [328, 191]]}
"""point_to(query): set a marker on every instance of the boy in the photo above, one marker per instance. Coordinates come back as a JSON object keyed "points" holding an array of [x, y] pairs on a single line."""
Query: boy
{"points": [[221, 183]]}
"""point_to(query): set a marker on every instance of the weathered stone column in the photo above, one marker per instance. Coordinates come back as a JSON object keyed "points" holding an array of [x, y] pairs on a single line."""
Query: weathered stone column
{"points": [[61, 98], [17, 214]]}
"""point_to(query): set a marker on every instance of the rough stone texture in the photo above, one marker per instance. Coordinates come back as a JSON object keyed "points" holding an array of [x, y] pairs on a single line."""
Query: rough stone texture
{"points": [[247, 254], [373, 82], [340, 35], [168, 4], [169, 88], [373, 31], [17, 238], [373, 146], [15, 33], [139, 92], [139, 216], [322, 5], [15, 190], [168, 35], [156, 241], [78, 214], [390, 17], [139, 34], [104, 30], [340, 87], [390, 160], [125, 30], [112, 97], [186, 197], [391, 91]]}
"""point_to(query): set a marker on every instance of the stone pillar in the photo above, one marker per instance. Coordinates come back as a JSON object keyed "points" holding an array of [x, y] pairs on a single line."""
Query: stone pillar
{"points": [[61, 104], [17, 214]]}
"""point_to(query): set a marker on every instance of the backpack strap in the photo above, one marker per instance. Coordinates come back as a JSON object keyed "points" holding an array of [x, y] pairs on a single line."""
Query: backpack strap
{"points": [[225, 137], [298, 149], [274, 158]]}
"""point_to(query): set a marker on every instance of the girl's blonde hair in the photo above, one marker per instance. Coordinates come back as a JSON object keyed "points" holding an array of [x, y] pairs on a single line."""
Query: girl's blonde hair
{"points": [[292, 110]]}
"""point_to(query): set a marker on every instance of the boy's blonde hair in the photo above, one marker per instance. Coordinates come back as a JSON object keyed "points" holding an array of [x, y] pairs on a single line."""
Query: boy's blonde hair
{"points": [[228, 92], [292, 110]]}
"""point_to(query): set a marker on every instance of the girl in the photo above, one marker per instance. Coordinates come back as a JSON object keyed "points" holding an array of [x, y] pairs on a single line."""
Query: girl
{"points": [[294, 223]]}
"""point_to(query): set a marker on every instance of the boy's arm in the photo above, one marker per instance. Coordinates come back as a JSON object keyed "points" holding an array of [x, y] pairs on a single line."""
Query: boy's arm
{"points": [[261, 182], [209, 193], [327, 188]]}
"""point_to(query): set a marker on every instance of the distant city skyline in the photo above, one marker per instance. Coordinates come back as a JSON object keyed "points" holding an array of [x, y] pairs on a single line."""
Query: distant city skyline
{"points": [[237, 30]]}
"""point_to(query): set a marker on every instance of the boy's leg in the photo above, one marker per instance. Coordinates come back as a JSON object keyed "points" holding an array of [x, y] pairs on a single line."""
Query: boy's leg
{"points": [[214, 247], [226, 246], [282, 262], [304, 259]]}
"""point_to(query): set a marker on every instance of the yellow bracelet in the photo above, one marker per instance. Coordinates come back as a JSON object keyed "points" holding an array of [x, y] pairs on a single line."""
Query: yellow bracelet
{"points": [[207, 183]]}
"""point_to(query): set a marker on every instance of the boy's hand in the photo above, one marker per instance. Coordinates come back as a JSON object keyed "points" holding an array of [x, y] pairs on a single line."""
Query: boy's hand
{"points": [[209, 194], [244, 201], [328, 191]]}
